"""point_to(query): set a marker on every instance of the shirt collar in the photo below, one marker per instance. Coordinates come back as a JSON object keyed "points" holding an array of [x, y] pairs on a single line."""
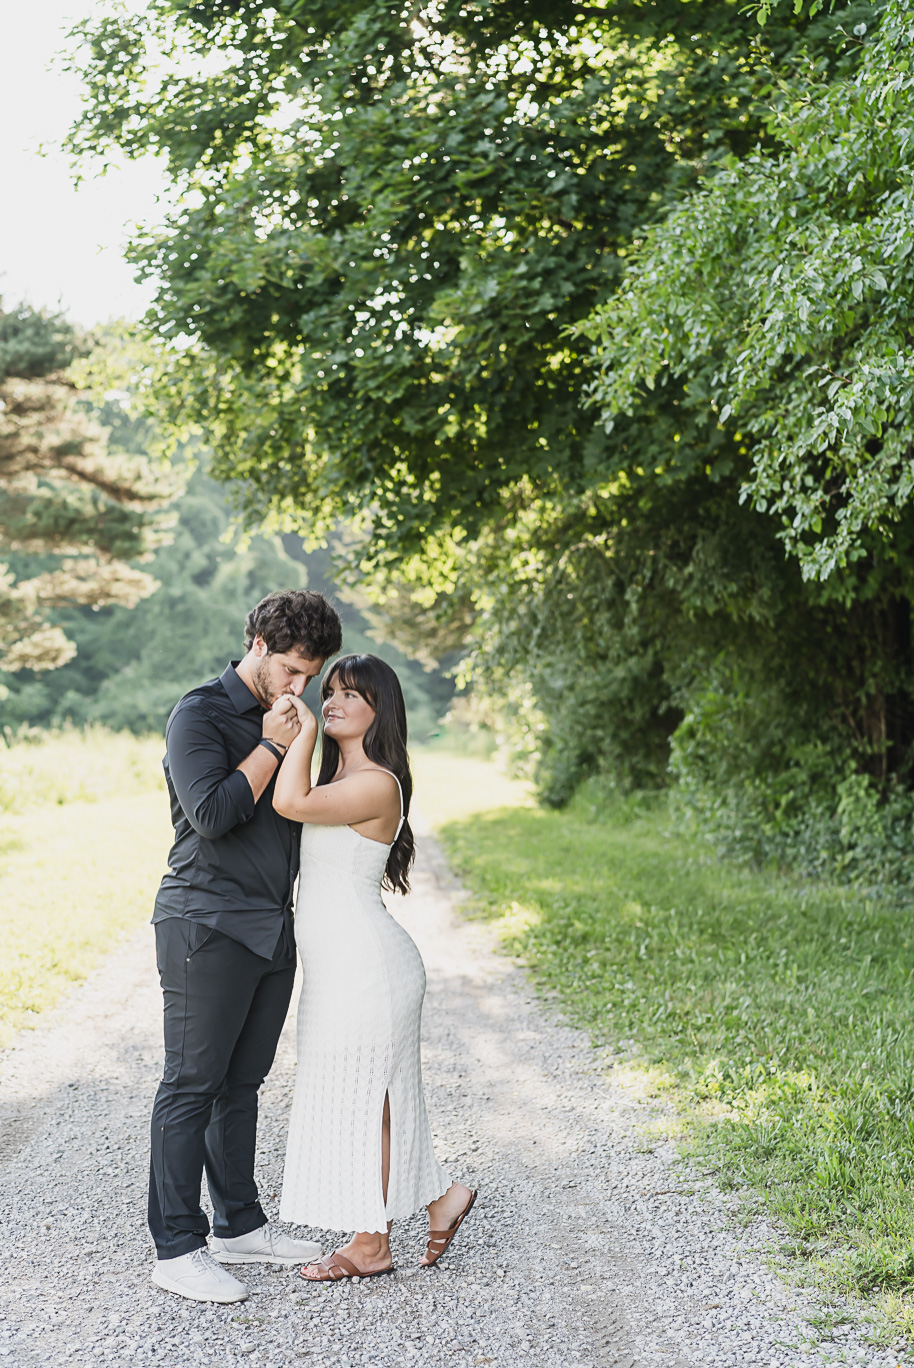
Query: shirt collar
{"points": [[239, 693]]}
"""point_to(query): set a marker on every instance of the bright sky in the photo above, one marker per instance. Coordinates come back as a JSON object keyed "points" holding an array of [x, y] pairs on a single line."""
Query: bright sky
{"points": [[60, 247]]}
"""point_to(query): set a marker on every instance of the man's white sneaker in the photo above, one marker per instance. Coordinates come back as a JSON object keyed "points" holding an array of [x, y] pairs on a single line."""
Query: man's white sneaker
{"points": [[264, 1245], [198, 1276]]}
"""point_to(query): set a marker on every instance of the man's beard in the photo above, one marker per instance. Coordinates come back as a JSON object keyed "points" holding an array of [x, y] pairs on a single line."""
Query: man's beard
{"points": [[260, 674]]}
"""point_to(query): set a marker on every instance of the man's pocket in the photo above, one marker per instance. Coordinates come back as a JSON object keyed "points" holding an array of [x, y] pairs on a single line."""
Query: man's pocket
{"points": [[198, 936]]}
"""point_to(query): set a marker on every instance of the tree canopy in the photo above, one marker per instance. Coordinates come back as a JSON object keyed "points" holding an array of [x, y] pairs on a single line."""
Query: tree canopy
{"points": [[387, 219], [599, 320], [782, 297]]}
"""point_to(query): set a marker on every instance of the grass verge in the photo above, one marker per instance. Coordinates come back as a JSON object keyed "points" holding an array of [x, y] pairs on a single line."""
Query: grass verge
{"points": [[84, 838], [782, 1016], [72, 766]]}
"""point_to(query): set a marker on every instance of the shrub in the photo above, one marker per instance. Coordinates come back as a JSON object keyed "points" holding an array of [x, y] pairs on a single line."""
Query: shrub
{"points": [[763, 778]]}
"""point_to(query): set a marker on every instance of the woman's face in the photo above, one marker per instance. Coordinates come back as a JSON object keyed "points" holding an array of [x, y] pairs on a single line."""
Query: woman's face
{"points": [[347, 716]]}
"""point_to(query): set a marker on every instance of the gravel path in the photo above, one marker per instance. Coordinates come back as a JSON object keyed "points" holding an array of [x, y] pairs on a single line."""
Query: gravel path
{"points": [[586, 1248]]}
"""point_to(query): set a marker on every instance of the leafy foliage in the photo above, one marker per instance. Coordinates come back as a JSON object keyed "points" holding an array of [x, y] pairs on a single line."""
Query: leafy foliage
{"points": [[763, 775], [386, 223], [651, 611], [777, 301], [545, 297], [782, 296]]}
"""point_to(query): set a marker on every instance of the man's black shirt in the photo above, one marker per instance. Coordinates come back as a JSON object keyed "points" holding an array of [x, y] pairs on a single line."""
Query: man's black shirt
{"points": [[234, 861]]}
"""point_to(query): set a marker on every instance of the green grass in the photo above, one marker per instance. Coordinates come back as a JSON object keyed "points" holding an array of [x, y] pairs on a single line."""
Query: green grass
{"points": [[84, 836], [779, 1017], [78, 766]]}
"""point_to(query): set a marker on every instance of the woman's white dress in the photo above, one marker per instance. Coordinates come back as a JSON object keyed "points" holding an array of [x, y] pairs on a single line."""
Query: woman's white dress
{"points": [[359, 1019]]}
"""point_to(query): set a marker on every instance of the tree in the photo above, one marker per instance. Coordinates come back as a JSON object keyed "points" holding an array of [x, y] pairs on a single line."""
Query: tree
{"points": [[386, 222], [420, 260], [73, 513], [776, 302]]}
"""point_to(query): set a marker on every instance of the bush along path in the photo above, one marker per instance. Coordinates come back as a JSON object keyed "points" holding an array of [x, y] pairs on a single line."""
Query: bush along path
{"points": [[588, 1246]]}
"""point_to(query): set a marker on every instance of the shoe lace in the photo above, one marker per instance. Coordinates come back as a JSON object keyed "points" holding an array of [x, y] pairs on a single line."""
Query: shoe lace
{"points": [[265, 1234], [203, 1259]]}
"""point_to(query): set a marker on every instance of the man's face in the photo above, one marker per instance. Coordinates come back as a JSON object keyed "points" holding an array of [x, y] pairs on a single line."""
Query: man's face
{"points": [[280, 673]]}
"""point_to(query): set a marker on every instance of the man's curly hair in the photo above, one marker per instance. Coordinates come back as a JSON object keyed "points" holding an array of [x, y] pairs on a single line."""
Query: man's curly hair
{"points": [[295, 620]]}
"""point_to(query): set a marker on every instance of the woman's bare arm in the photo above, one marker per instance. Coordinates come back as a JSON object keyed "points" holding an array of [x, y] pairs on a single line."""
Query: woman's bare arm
{"points": [[363, 797], [293, 782]]}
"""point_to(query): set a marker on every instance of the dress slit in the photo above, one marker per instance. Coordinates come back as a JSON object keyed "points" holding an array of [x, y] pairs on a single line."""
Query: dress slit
{"points": [[390, 1146]]}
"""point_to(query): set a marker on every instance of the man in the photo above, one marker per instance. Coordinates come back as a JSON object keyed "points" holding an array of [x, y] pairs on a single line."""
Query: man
{"points": [[225, 947]]}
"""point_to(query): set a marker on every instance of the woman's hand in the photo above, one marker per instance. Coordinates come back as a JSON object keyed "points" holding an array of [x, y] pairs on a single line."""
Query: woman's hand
{"points": [[306, 720]]}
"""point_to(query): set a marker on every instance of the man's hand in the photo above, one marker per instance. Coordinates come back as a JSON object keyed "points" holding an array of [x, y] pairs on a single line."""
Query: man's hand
{"points": [[306, 717], [281, 724]]}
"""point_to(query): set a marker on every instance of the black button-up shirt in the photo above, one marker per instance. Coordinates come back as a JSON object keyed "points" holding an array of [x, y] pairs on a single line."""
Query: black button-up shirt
{"points": [[234, 861]]}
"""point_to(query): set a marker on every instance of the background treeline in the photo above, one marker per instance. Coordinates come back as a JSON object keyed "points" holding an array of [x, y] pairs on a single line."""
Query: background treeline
{"points": [[123, 583], [596, 324]]}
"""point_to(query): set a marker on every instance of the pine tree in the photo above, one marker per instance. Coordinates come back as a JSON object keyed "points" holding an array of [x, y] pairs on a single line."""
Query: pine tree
{"points": [[73, 512]]}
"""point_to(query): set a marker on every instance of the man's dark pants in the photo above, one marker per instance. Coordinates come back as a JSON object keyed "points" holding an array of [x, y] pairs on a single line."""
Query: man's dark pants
{"points": [[224, 1011]]}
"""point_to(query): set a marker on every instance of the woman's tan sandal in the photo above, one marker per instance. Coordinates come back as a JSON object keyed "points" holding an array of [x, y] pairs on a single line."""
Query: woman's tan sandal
{"points": [[336, 1267], [438, 1240]]}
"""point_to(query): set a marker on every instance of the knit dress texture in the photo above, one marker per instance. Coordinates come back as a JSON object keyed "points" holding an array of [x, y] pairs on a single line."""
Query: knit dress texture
{"points": [[359, 1020]]}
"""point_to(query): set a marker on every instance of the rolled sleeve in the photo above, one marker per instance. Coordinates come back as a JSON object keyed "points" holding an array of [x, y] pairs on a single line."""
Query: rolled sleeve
{"points": [[214, 796]]}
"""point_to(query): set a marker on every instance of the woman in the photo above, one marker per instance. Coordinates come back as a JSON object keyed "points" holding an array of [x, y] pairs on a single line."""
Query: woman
{"points": [[360, 1149]]}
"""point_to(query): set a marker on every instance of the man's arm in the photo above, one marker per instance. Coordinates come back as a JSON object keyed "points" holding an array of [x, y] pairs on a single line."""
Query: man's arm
{"points": [[258, 768], [214, 797]]}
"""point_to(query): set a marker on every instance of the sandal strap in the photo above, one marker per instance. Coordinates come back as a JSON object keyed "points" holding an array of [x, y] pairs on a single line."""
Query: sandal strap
{"points": [[336, 1267], [347, 1267], [448, 1235], [443, 1238]]}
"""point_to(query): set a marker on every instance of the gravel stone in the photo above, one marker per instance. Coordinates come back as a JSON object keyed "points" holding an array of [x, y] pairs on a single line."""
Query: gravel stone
{"points": [[591, 1245]]}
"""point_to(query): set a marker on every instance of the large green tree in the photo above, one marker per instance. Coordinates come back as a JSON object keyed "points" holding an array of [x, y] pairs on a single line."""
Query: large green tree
{"points": [[387, 218], [778, 301]]}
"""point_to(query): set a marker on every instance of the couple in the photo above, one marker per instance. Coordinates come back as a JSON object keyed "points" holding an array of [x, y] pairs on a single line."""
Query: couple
{"points": [[248, 822]]}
